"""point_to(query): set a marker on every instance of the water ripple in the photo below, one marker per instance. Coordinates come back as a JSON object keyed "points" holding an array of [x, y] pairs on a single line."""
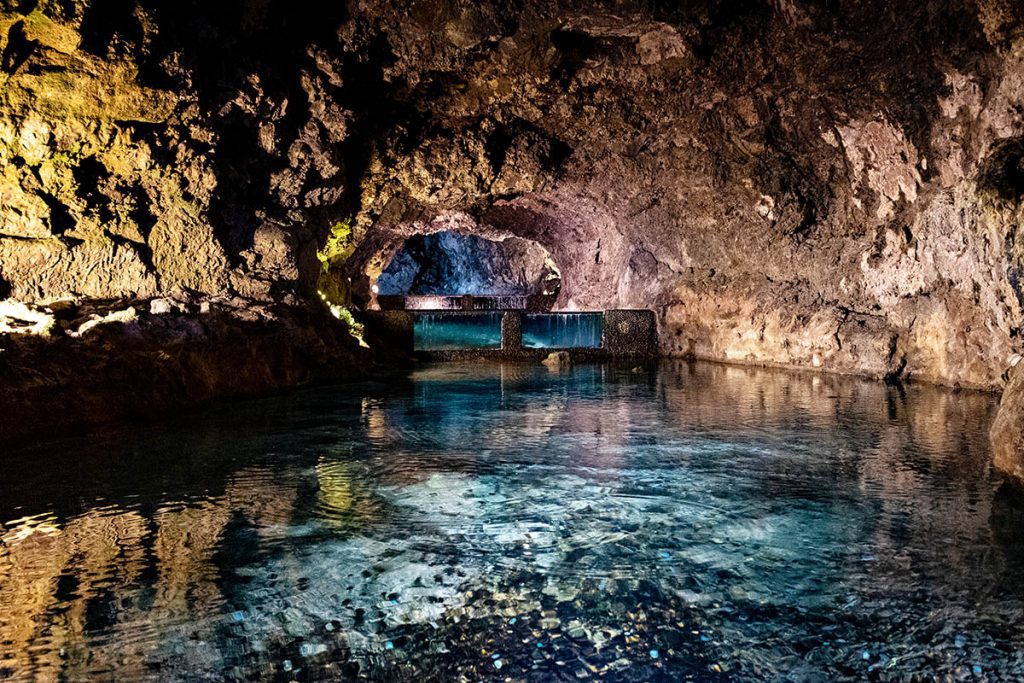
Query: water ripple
{"points": [[687, 523]]}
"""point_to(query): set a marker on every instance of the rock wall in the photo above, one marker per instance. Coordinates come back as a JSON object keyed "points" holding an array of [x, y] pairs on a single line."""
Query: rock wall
{"points": [[452, 264], [784, 182], [132, 364], [1007, 432]]}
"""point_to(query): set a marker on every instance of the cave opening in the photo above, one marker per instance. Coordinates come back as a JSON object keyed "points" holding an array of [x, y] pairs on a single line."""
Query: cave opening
{"points": [[444, 269]]}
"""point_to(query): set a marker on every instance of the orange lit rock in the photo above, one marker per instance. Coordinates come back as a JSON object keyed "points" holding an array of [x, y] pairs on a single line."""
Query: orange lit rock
{"points": [[783, 183]]}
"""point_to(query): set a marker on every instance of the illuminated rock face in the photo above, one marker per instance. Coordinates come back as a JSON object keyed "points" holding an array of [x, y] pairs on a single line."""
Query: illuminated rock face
{"points": [[857, 218], [1007, 434], [819, 219], [448, 263], [783, 183]]}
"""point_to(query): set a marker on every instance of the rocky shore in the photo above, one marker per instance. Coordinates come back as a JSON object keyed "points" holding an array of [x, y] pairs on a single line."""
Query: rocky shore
{"points": [[785, 183], [101, 364]]}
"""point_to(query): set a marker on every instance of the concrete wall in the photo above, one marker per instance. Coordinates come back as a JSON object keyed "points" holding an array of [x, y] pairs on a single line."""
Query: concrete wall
{"points": [[512, 331], [630, 332], [626, 333]]}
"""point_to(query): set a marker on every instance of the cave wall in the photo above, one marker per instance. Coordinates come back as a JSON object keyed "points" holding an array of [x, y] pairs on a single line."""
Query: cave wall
{"points": [[831, 185], [156, 147], [453, 264]]}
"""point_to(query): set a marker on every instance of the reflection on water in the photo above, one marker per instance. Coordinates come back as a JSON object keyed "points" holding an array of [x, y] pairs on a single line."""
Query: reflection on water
{"points": [[483, 522]]}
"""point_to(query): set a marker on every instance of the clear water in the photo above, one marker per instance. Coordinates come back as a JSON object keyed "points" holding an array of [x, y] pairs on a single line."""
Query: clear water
{"points": [[447, 331], [480, 522], [563, 330]]}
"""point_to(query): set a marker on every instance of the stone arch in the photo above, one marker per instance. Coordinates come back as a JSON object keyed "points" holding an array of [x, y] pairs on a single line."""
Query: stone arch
{"points": [[581, 237], [450, 263]]}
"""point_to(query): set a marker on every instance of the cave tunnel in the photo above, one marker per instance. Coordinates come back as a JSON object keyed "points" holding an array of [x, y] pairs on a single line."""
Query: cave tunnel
{"points": [[534, 340], [426, 268]]}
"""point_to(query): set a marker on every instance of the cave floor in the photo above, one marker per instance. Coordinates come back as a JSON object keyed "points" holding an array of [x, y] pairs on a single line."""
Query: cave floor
{"points": [[478, 521]]}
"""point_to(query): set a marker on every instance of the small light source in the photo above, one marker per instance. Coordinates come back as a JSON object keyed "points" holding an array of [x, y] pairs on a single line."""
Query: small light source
{"points": [[375, 289]]}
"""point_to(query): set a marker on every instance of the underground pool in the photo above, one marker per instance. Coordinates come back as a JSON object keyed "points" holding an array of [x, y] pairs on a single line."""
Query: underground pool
{"points": [[510, 522]]}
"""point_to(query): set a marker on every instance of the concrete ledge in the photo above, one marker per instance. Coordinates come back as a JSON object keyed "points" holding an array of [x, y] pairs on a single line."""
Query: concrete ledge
{"points": [[522, 355]]}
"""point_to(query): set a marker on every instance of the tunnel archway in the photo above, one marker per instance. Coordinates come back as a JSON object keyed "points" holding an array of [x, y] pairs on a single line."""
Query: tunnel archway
{"points": [[581, 238], [453, 264]]}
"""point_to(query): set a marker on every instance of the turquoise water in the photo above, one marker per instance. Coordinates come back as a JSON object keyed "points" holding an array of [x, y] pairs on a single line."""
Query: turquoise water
{"points": [[562, 330], [485, 522], [447, 331]]}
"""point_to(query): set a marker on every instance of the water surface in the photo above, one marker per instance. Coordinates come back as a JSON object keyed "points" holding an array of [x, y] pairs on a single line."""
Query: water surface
{"points": [[484, 522]]}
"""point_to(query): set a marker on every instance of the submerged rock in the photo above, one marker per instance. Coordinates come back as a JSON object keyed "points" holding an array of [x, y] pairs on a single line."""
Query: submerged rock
{"points": [[558, 359]]}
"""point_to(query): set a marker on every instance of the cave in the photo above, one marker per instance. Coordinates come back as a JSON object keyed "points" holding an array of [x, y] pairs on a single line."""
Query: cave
{"points": [[404, 340], [449, 264]]}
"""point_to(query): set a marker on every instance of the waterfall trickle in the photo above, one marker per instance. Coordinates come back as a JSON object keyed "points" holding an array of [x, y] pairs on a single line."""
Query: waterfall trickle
{"points": [[563, 331], [454, 331]]}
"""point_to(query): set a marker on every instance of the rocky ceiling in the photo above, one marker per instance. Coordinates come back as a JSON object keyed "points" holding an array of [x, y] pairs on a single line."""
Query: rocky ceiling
{"points": [[828, 184], [452, 264]]}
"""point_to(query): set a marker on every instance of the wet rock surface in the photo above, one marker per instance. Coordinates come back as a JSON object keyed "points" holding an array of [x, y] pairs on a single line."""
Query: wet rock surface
{"points": [[1007, 433], [102, 362], [785, 183]]}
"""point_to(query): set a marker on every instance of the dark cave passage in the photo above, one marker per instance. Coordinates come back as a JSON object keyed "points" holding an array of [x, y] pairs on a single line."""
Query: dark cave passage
{"points": [[451, 264]]}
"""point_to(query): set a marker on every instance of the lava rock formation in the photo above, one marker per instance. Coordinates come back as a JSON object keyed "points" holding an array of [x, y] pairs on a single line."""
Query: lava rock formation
{"points": [[833, 185]]}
